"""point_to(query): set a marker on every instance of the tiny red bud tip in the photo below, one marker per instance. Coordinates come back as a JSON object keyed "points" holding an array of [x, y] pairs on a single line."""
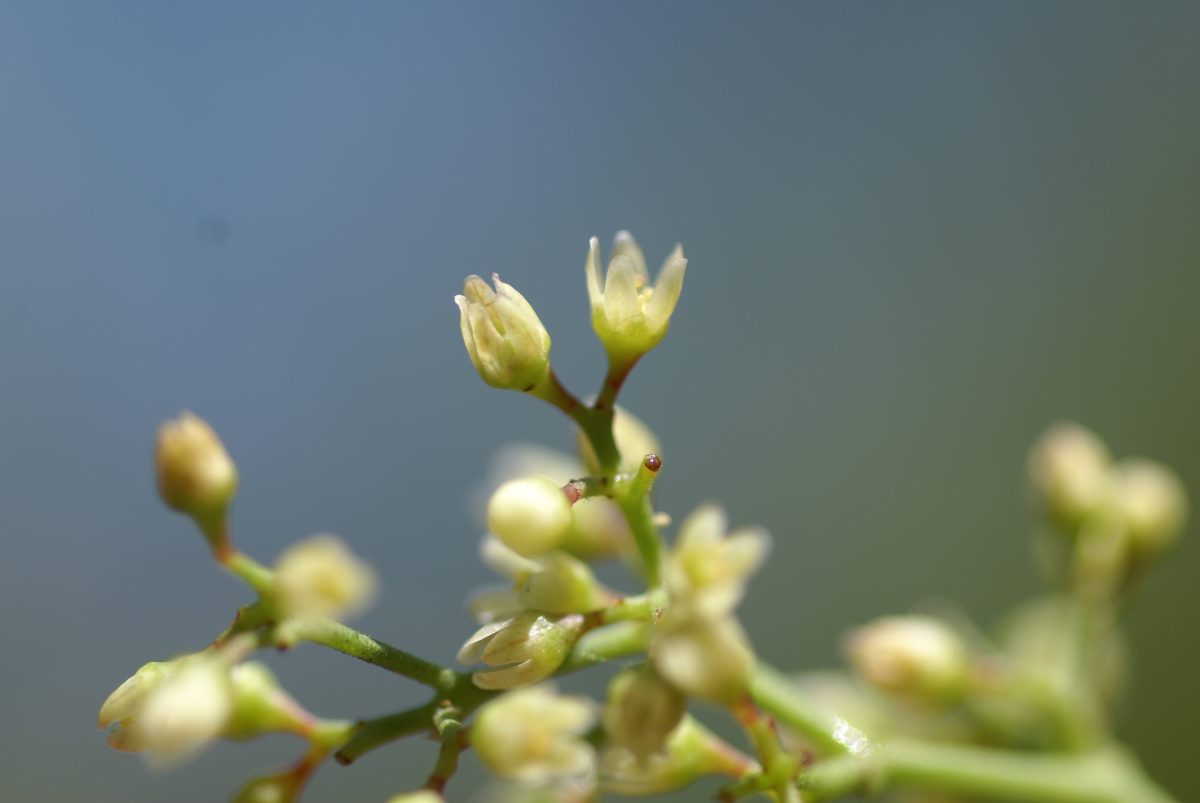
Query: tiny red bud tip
{"points": [[572, 493], [652, 462]]}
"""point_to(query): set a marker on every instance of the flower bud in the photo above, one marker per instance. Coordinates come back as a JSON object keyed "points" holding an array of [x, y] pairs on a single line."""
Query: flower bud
{"points": [[180, 714], [195, 474], [525, 649], [530, 515], [641, 711], [534, 735], [504, 337], [598, 530], [283, 788], [261, 706], [1069, 469], [633, 437], [629, 315], [1153, 503], [125, 703], [419, 796], [914, 655], [703, 657], [319, 576], [692, 752]]}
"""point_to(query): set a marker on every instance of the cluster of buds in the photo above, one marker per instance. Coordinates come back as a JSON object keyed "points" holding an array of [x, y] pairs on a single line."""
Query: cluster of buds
{"points": [[1119, 515], [698, 645]]}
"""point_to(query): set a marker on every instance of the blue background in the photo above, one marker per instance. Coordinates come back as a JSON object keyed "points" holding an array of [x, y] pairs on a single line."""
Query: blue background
{"points": [[918, 233]]}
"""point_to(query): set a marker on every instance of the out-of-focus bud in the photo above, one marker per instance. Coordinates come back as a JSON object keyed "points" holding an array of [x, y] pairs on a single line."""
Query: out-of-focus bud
{"points": [[913, 655], [1069, 468], [283, 788], [196, 476], [702, 656], [125, 703], [1153, 503], [628, 314], [419, 796], [503, 335], [179, 714], [708, 570], [633, 437], [534, 735], [525, 649], [261, 706], [598, 530], [530, 515], [641, 711], [552, 583], [692, 752], [319, 576]]}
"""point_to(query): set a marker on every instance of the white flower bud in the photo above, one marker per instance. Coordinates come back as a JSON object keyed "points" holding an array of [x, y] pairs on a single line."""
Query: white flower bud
{"points": [[420, 796], [530, 515], [707, 569], [525, 649], [1069, 469], [703, 657], [628, 314], [195, 474], [914, 655], [534, 735], [319, 576], [504, 337], [641, 710], [1153, 503], [181, 714]]}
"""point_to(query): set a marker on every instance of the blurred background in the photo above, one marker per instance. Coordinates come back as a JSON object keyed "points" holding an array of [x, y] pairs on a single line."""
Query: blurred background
{"points": [[918, 233]]}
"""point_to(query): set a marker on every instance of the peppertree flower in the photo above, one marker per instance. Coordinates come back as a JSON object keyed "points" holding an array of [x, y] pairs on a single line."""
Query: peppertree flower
{"points": [[535, 735], [628, 314], [319, 576], [195, 474], [707, 569], [524, 649], [505, 339], [702, 656]]}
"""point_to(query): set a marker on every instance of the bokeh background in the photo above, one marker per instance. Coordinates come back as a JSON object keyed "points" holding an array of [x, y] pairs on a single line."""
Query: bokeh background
{"points": [[918, 233]]}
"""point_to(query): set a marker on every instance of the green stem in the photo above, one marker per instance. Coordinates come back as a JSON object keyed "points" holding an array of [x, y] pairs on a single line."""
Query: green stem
{"points": [[774, 693], [379, 731], [1101, 777], [614, 380], [347, 640], [250, 571], [633, 497], [448, 725]]}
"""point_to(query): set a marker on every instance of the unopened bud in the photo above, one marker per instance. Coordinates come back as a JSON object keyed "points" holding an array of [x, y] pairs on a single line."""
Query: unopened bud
{"points": [[1153, 503], [1069, 469], [504, 337], [319, 576], [914, 655], [195, 474], [703, 657], [691, 752], [641, 711], [284, 788], [261, 706], [525, 649], [531, 515]]}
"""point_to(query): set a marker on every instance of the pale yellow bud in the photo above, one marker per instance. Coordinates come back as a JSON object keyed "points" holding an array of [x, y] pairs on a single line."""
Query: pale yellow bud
{"points": [[551, 583], [261, 706], [525, 649], [534, 735], [599, 530], [504, 337], [915, 655], [629, 315], [708, 569], [319, 576], [530, 515], [633, 437], [1069, 469], [283, 788], [183, 713], [420, 796], [709, 658], [691, 752], [125, 703], [1153, 503], [195, 474], [641, 710]]}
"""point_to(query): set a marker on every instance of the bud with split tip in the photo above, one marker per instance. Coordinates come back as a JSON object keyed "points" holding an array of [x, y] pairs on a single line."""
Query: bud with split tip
{"points": [[505, 339], [525, 649], [629, 314]]}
